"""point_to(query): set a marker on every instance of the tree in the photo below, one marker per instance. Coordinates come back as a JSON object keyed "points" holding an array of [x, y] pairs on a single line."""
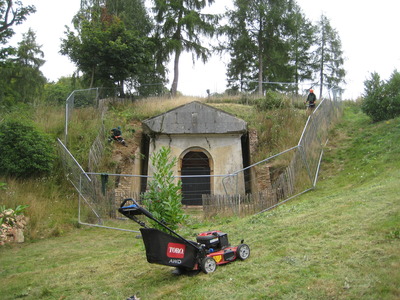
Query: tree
{"points": [[382, 99], [329, 56], [241, 51], [302, 41], [180, 25], [11, 13], [133, 13], [29, 80], [58, 92], [108, 53], [20, 74], [392, 92], [259, 32]]}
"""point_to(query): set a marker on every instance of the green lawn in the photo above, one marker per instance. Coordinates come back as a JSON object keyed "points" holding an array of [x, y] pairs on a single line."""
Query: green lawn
{"points": [[340, 241]]}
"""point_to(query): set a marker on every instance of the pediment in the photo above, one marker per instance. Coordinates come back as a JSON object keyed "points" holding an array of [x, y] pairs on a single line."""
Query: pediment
{"points": [[194, 118]]}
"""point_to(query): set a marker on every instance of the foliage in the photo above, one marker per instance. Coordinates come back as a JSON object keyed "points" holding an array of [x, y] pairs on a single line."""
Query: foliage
{"points": [[372, 104], [11, 220], [29, 80], [301, 41], [12, 12], [84, 126], [272, 100], [112, 55], [382, 99], [58, 92], [329, 56], [339, 241], [25, 151], [7, 215], [180, 27], [52, 205], [267, 41], [241, 49], [21, 79], [273, 41], [133, 13], [163, 198]]}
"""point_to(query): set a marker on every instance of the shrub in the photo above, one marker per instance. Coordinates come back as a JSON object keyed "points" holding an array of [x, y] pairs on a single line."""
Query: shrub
{"points": [[272, 100], [382, 99], [25, 151], [163, 198], [392, 92], [56, 93]]}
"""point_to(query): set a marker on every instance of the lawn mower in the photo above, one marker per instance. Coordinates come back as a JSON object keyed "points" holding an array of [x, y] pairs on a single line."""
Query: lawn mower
{"points": [[170, 249]]}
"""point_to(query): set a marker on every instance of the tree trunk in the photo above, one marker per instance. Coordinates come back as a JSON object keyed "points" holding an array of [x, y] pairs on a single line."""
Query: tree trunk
{"points": [[321, 74], [121, 89], [92, 78], [174, 87], [260, 59], [321, 79], [260, 74]]}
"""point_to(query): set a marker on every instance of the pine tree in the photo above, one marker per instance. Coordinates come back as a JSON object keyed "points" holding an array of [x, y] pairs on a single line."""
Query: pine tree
{"points": [[329, 56], [21, 79], [180, 27], [29, 80], [259, 42], [302, 41]]}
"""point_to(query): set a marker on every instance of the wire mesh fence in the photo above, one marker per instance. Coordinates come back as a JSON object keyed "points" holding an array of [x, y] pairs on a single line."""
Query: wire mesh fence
{"points": [[94, 97], [253, 189], [281, 177]]}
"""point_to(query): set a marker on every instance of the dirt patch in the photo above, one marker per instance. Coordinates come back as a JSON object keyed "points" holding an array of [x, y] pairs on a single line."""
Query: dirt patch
{"points": [[127, 159]]}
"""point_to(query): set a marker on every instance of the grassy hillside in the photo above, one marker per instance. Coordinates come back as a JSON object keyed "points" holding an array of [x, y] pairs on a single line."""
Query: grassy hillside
{"points": [[340, 241], [51, 200]]}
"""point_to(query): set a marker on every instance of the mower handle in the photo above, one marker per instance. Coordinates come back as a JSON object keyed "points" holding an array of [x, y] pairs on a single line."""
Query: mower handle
{"points": [[134, 209], [131, 211]]}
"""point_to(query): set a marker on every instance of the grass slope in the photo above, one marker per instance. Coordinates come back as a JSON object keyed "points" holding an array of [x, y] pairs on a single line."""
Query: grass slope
{"points": [[340, 241]]}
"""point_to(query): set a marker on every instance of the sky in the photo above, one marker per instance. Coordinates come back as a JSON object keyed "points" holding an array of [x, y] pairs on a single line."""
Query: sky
{"points": [[368, 31]]}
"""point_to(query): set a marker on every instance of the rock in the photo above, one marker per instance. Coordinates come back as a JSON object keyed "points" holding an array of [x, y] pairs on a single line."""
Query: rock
{"points": [[18, 235]]}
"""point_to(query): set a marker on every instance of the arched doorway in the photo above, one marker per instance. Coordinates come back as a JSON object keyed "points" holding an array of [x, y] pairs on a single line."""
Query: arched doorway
{"points": [[195, 163]]}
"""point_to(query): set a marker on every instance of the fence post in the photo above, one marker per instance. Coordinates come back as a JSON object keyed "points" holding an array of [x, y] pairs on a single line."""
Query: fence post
{"points": [[66, 123]]}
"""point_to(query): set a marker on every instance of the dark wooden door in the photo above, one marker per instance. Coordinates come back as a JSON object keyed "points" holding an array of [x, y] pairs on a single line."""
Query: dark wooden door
{"points": [[194, 164]]}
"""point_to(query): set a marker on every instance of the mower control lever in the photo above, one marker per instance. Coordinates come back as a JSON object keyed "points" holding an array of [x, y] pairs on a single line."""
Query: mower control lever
{"points": [[133, 209]]}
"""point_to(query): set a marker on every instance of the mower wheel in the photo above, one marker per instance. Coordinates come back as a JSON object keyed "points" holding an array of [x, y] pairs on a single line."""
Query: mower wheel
{"points": [[208, 265], [243, 251]]}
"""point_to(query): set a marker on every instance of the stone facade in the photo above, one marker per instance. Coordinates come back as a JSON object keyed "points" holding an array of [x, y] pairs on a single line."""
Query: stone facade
{"points": [[197, 127]]}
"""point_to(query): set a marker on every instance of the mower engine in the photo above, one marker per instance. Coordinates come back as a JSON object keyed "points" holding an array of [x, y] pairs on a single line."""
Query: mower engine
{"points": [[213, 240]]}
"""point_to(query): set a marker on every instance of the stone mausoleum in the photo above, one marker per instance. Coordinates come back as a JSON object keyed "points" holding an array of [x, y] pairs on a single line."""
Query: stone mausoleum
{"points": [[210, 145]]}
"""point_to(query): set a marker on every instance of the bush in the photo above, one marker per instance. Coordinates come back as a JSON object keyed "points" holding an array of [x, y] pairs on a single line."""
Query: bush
{"points": [[163, 199], [25, 151], [272, 100], [56, 93], [382, 99], [392, 92]]}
